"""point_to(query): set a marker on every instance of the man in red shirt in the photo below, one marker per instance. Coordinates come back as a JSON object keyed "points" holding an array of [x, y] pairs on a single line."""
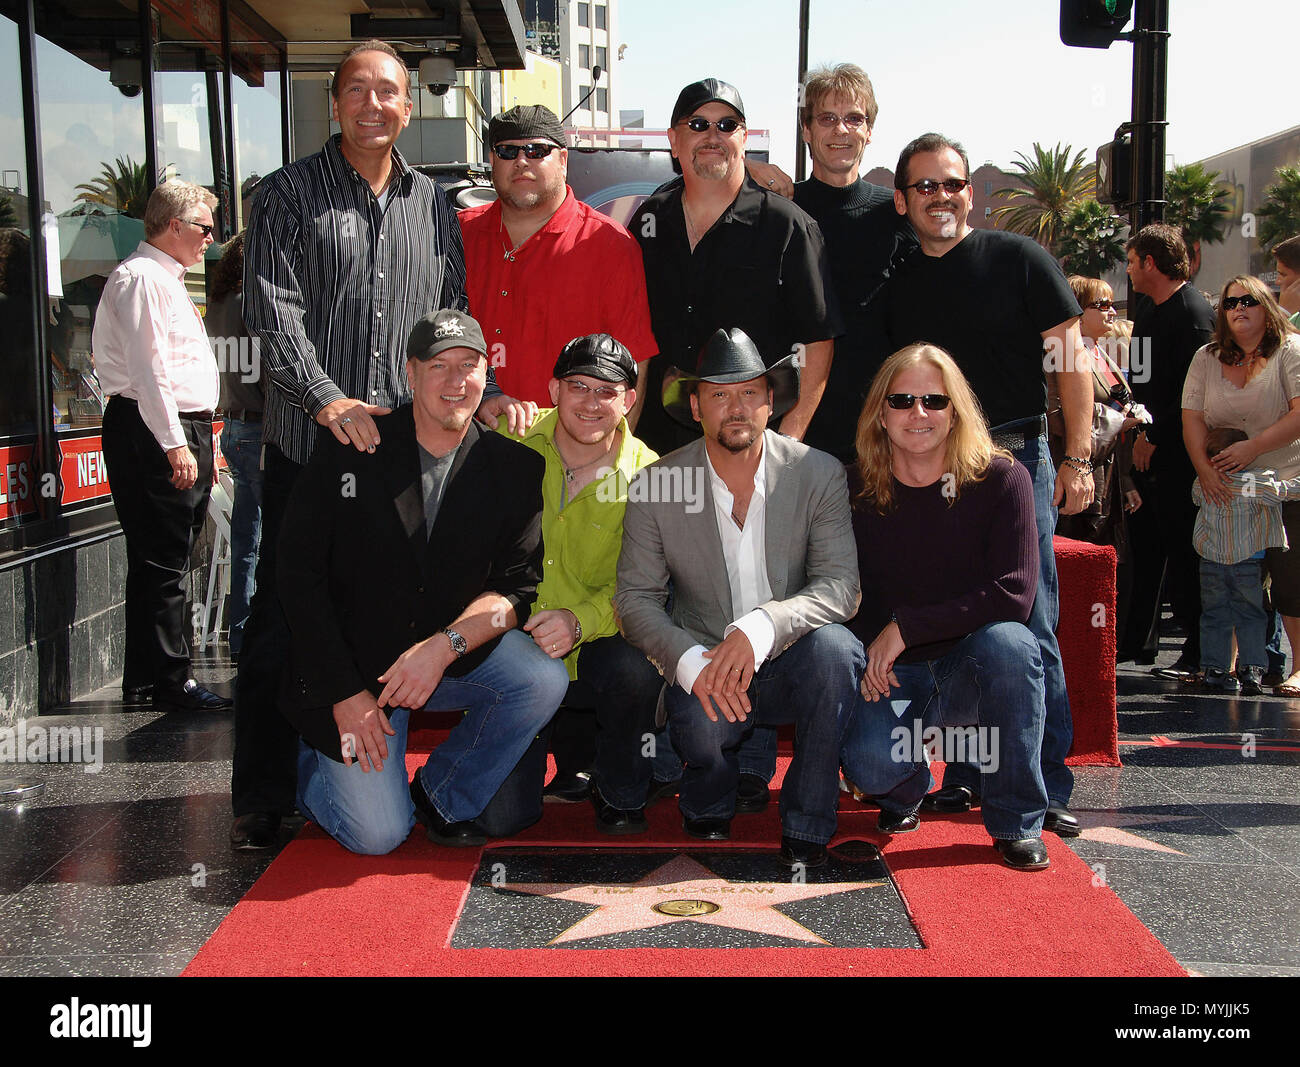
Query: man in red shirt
{"points": [[543, 267]]}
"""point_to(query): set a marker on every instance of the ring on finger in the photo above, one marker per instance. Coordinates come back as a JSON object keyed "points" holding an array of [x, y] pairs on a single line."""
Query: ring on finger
{"points": [[344, 421]]}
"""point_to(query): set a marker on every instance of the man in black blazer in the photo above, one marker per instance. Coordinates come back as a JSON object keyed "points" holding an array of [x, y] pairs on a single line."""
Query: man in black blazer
{"points": [[405, 571]]}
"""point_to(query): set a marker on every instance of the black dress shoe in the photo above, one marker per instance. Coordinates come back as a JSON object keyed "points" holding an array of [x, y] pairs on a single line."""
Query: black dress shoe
{"points": [[660, 789], [568, 788], [806, 853], [615, 821], [950, 799], [255, 832], [1060, 821], [1024, 854], [751, 794], [137, 694], [193, 697], [439, 830], [708, 829], [887, 822]]}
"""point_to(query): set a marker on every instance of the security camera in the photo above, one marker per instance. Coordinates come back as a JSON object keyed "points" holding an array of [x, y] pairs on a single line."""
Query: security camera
{"points": [[437, 74], [125, 72]]}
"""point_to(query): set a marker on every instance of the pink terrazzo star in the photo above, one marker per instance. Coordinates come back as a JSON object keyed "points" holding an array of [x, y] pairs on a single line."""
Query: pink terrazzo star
{"points": [[684, 884]]}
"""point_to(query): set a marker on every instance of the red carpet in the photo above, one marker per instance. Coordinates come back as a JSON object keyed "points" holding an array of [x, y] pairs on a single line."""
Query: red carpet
{"points": [[319, 910], [1086, 633]]}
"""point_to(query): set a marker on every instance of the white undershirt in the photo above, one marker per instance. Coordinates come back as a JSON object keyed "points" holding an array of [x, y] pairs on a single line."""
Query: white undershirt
{"points": [[745, 552]]}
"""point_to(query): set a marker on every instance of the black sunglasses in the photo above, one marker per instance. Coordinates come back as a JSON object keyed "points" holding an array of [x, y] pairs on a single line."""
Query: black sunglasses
{"points": [[536, 150], [1102, 305], [207, 230], [928, 186], [698, 124], [1247, 301], [906, 401]]}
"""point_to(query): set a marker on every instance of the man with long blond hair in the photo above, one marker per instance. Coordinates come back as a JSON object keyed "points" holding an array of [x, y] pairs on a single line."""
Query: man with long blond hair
{"points": [[948, 557]]}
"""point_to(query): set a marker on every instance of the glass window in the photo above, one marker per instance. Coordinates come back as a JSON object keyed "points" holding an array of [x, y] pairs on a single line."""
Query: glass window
{"points": [[584, 56], [88, 89], [255, 93], [18, 355], [584, 15], [187, 91], [600, 16], [602, 100], [602, 56]]}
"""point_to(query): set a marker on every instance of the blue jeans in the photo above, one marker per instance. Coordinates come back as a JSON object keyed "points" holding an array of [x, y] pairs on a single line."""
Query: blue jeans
{"points": [[1058, 728], [813, 683], [241, 443], [1232, 597], [992, 679], [509, 698]]}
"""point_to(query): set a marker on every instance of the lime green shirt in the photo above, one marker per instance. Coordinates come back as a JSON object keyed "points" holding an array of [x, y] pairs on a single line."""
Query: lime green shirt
{"points": [[582, 538]]}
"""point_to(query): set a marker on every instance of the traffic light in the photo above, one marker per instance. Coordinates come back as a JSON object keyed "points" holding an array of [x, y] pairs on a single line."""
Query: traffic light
{"points": [[1093, 23], [1115, 172]]}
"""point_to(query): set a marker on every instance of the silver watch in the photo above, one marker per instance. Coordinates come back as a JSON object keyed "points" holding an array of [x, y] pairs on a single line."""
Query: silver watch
{"points": [[458, 644]]}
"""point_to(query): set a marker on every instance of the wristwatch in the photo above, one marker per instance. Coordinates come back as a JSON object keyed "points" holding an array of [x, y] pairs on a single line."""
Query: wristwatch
{"points": [[458, 644]]}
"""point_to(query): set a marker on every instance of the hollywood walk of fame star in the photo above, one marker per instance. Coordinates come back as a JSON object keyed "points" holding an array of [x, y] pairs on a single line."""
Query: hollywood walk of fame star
{"points": [[687, 891], [1107, 827]]}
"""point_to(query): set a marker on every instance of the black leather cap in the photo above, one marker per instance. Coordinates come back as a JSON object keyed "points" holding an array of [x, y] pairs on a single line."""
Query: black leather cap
{"points": [[730, 356], [598, 355]]}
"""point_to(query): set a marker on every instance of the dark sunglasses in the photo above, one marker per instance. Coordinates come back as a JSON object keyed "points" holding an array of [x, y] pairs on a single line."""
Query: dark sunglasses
{"points": [[928, 186], [1102, 305], [207, 230], [1247, 301], [697, 124], [854, 120], [536, 150], [906, 401]]}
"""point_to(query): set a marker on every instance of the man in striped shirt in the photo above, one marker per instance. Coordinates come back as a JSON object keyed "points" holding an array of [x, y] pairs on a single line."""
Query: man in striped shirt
{"points": [[346, 250]]}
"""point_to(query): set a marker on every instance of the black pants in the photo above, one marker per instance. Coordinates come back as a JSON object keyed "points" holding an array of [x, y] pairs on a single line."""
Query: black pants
{"points": [[161, 524], [1165, 565], [264, 774]]}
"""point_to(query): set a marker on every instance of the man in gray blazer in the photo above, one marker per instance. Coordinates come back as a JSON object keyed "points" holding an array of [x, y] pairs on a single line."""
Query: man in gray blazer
{"points": [[751, 532]]}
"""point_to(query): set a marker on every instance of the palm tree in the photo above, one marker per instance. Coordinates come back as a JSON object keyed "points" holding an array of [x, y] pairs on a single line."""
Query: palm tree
{"points": [[1279, 217], [1196, 202], [1091, 240], [1053, 183], [127, 189], [7, 216]]}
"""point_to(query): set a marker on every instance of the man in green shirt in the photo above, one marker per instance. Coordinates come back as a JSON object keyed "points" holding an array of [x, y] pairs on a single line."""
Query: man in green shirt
{"points": [[590, 457]]}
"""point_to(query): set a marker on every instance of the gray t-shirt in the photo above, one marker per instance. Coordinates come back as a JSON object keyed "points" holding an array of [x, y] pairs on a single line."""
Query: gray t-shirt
{"points": [[433, 483]]}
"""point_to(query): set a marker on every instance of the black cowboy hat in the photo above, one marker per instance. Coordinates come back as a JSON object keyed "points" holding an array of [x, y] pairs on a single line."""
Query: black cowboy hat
{"points": [[730, 356]]}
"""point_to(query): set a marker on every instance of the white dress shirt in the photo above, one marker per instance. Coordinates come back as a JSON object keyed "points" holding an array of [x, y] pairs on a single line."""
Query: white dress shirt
{"points": [[150, 345], [745, 551]]}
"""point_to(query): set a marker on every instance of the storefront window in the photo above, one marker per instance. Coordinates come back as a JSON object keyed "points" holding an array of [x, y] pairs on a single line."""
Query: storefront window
{"points": [[96, 185], [18, 362], [256, 89]]}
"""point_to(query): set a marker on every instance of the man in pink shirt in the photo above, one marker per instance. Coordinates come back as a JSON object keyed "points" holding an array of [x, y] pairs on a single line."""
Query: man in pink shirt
{"points": [[543, 267], [155, 365]]}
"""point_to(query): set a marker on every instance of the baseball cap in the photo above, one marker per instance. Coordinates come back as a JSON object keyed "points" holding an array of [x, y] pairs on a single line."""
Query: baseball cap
{"points": [[441, 330]]}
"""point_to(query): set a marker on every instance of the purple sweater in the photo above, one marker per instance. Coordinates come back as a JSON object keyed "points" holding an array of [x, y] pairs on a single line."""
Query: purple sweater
{"points": [[945, 568]]}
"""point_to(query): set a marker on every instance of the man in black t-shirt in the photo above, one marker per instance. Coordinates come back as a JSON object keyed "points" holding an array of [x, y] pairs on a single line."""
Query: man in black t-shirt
{"points": [[865, 238], [999, 304], [1171, 320], [719, 253]]}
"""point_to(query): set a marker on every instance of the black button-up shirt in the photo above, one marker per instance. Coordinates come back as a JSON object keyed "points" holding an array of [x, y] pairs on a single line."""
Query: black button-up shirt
{"points": [[761, 267], [333, 283]]}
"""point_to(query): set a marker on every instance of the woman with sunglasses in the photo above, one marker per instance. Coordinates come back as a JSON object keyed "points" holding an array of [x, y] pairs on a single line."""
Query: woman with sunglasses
{"points": [[948, 557], [1248, 377], [1115, 418]]}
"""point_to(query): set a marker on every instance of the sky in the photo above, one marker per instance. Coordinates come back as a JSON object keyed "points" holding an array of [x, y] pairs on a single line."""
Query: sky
{"points": [[992, 76]]}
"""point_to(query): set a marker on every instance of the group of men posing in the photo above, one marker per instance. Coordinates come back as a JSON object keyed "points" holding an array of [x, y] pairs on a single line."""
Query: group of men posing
{"points": [[413, 558]]}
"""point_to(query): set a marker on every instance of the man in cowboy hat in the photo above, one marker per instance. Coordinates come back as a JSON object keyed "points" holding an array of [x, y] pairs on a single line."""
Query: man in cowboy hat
{"points": [[721, 251], [762, 574]]}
